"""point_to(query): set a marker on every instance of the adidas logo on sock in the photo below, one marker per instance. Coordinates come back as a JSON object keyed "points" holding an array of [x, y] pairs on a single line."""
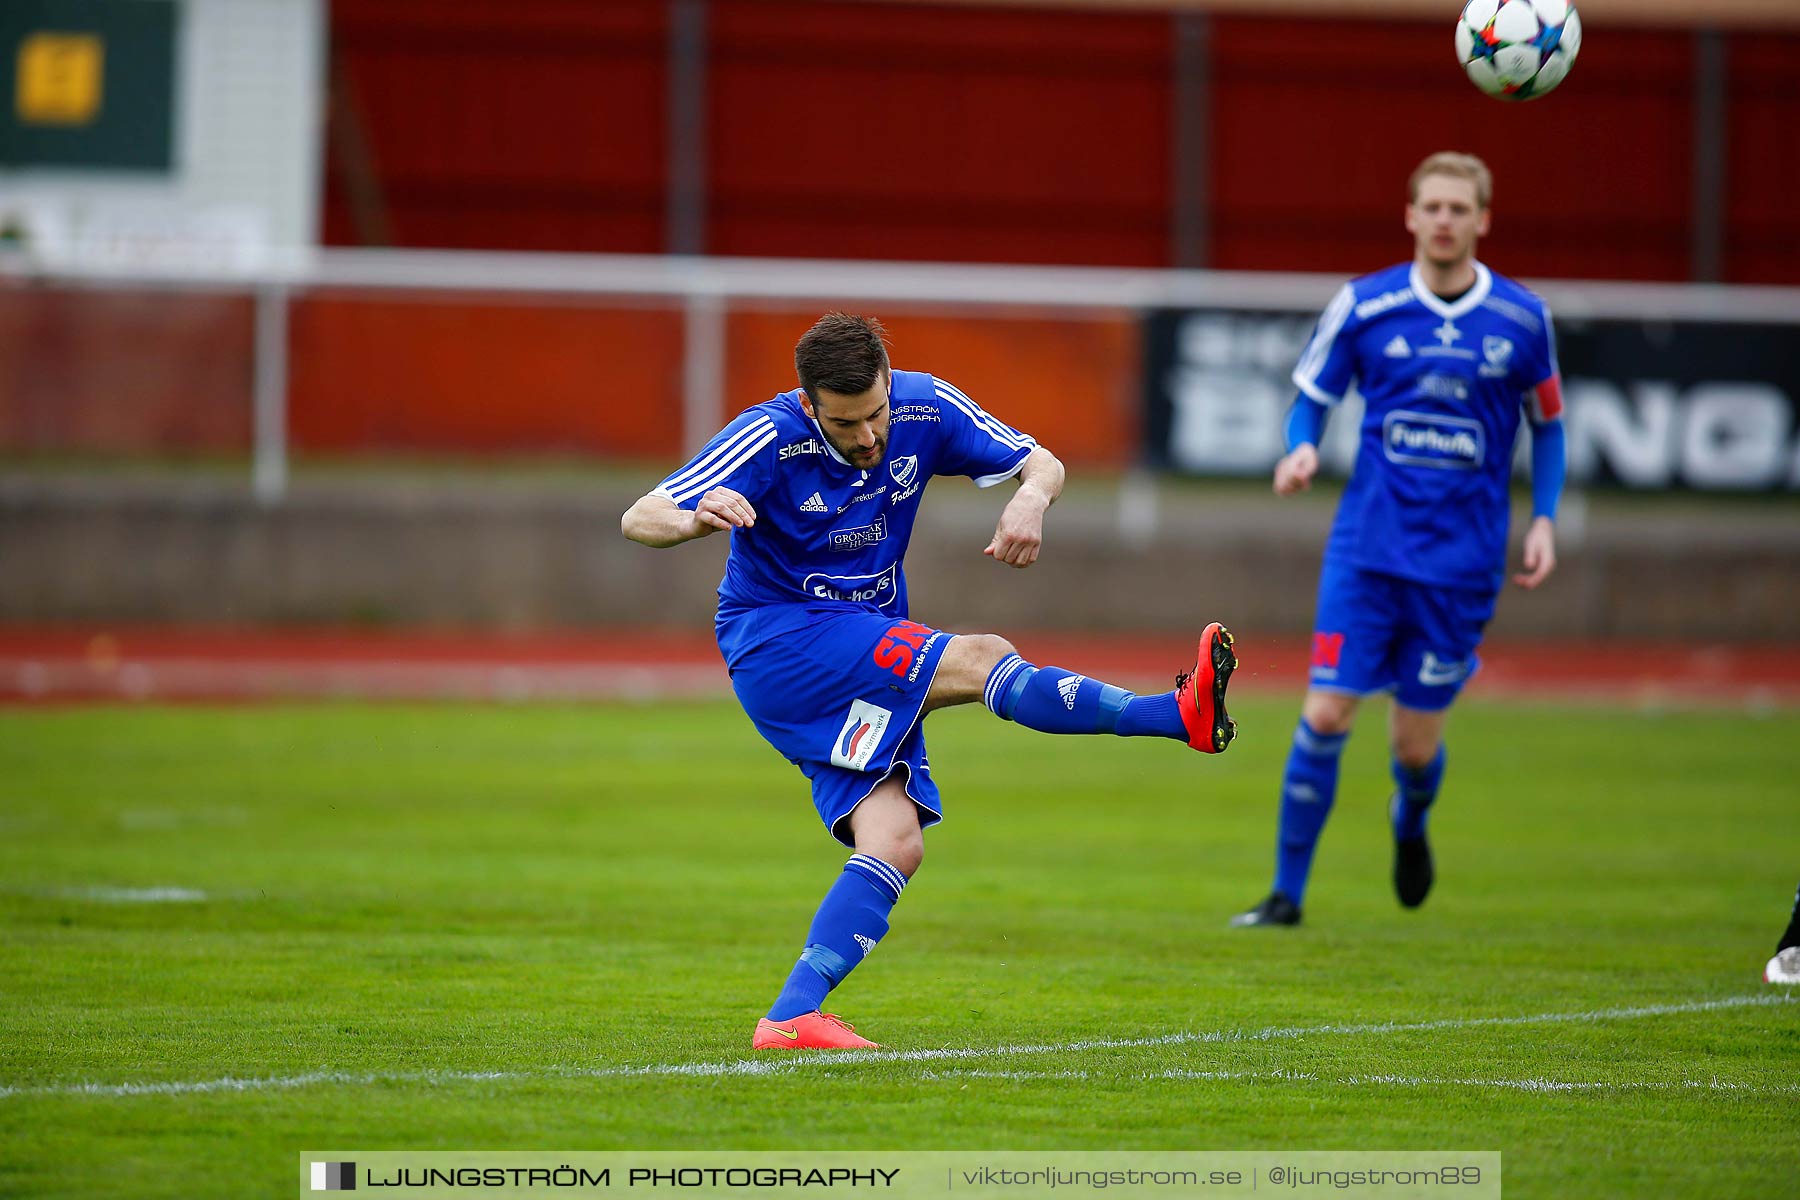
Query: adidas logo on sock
{"points": [[866, 943], [814, 503], [1067, 689], [1397, 348]]}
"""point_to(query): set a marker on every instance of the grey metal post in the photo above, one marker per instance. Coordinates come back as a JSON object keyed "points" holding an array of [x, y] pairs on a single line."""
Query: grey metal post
{"points": [[1191, 132], [269, 465], [685, 213], [702, 367], [1707, 249]]}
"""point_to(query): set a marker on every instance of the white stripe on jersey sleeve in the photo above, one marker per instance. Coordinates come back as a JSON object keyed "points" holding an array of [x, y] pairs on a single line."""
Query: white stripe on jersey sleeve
{"points": [[1312, 359], [1001, 432], [760, 431], [741, 449]]}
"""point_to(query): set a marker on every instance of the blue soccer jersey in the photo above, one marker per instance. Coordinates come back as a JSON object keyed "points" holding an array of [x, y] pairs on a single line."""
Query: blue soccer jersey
{"points": [[1444, 384], [826, 532]]}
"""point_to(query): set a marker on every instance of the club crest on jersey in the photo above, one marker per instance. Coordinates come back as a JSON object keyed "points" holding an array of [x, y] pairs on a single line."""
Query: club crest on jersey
{"points": [[1418, 439], [1498, 351], [860, 735], [860, 537], [904, 470]]}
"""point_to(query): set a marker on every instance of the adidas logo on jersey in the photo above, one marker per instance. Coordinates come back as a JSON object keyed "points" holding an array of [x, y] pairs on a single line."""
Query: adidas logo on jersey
{"points": [[1067, 689], [814, 503], [1397, 348], [866, 943]]}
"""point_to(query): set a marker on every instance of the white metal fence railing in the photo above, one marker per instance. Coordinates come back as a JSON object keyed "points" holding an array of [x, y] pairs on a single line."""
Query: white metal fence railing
{"points": [[706, 288]]}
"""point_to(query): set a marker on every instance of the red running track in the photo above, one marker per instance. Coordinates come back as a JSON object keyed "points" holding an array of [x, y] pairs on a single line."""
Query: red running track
{"points": [[68, 663]]}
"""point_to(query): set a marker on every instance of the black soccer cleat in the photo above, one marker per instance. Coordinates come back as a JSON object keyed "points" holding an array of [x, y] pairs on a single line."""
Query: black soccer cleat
{"points": [[1413, 873], [1276, 909]]}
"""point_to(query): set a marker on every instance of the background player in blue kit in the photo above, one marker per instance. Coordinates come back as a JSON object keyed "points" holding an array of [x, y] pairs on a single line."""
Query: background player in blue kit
{"points": [[1447, 355], [819, 488]]}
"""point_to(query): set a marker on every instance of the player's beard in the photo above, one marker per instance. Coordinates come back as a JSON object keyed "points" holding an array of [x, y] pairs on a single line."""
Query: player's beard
{"points": [[865, 460]]}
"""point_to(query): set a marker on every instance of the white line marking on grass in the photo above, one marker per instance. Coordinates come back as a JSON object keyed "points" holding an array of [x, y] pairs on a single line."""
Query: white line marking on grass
{"points": [[1008, 1075], [253, 1083], [841, 1058], [149, 895], [1523, 1085], [1276, 1033]]}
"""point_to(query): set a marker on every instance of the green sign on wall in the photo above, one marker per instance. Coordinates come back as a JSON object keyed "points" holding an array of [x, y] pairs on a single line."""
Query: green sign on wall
{"points": [[87, 83]]}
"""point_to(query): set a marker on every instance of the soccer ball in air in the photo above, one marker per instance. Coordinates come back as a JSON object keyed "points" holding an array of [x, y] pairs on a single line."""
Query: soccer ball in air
{"points": [[1517, 49]]}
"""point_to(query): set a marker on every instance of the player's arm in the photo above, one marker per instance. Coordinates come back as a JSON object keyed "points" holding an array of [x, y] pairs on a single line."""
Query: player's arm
{"points": [[1324, 373], [1549, 467], [714, 490], [658, 521], [1019, 536], [1305, 425]]}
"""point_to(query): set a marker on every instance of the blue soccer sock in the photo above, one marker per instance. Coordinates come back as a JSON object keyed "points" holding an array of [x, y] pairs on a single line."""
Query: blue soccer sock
{"points": [[850, 920], [1418, 787], [1308, 790], [1054, 700]]}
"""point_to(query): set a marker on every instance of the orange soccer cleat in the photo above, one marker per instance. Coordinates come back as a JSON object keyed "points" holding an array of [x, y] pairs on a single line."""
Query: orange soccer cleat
{"points": [[810, 1031], [1200, 693]]}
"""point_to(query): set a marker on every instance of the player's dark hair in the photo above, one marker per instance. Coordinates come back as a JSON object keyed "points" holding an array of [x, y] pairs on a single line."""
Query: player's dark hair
{"points": [[841, 353]]}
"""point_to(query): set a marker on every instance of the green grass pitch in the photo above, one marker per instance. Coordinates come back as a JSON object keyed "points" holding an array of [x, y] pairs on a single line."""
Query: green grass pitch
{"points": [[463, 928]]}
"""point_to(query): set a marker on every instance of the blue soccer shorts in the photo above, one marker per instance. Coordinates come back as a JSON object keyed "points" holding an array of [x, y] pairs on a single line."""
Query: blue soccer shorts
{"points": [[842, 699], [1376, 632]]}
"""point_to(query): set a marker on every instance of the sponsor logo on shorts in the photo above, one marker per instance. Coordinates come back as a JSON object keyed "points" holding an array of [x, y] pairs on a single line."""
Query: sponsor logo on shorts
{"points": [[880, 590], [1429, 440], [1327, 649], [903, 642], [860, 735], [1435, 672], [860, 537]]}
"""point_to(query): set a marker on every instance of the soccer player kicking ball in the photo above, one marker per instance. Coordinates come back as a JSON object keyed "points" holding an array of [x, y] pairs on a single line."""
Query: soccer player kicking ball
{"points": [[1447, 356], [819, 489]]}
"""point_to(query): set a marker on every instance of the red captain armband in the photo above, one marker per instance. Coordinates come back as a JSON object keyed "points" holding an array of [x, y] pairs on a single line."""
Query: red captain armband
{"points": [[1546, 400]]}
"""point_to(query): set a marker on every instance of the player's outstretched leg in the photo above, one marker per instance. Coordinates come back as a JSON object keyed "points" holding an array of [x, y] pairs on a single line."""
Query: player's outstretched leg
{"points": [[1056, 700], [851, 919], [1785, 966]]}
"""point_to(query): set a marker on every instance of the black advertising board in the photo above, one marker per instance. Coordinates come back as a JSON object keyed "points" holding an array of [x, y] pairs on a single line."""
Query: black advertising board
{"points": [[1650, 404]]}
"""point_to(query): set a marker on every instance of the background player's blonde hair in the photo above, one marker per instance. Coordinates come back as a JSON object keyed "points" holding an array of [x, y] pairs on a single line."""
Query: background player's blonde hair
{"points": [[1460, 166]]}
